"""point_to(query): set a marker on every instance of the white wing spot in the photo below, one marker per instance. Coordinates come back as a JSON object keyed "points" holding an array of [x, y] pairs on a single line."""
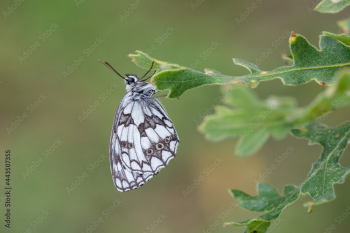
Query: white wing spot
{"points": [[145, 143], [146, 168], [129, 176], [125, 184], [171, 130], [155, 163], [166, 155], [137, 114], [158, 114], [126, 159], [135, 166], [127, 109], [162, 131], [152, 135], [168, 123], [172, 145]]}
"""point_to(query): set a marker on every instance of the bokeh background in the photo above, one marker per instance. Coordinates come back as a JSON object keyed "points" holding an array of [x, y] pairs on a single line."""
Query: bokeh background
{"points": [[67, 101]]}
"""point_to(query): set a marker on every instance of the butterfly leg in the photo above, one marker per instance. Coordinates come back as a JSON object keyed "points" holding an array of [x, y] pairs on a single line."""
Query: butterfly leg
{"points": [[160, 96]]}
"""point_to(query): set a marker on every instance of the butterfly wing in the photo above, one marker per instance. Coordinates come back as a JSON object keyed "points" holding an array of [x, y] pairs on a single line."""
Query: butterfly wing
{"points": [[158, 138], [143, 141]]}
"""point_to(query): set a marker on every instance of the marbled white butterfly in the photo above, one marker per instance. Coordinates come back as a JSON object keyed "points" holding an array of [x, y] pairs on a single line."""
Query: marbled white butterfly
{"points": [[143, 139]]}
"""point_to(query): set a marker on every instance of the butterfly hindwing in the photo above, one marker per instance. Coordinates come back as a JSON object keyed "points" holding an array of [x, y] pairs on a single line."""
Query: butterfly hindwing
{"points": [[143, 141]]}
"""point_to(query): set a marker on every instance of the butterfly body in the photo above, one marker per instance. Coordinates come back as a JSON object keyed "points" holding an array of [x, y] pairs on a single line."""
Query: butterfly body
{"points": [[143, 138]]}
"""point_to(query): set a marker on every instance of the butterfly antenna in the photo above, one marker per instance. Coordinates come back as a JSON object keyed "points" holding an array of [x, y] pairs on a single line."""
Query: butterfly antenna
{"points": [[149, 76], [147, 72], [111, 68]]}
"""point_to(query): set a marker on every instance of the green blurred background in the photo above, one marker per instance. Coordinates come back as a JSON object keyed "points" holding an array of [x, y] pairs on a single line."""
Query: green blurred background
{"points": [[59, 33]]}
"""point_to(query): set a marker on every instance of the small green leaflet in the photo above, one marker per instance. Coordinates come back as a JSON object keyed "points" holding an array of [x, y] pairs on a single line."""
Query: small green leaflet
{"points": [[327, 170], [309, 64], [332, 6], [268, 200]]}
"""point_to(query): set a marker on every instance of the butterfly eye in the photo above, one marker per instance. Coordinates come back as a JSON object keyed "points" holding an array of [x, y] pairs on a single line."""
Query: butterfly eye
{"points": [[131, 79]]}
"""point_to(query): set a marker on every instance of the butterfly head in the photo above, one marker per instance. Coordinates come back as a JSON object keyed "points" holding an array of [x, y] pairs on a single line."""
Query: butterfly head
{"points": [[131, 79]]}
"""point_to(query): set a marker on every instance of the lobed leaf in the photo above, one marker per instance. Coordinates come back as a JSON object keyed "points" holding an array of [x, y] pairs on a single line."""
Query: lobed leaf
{"points": [[177, 78], [332, 6], [253, 120], [247, 117], [268, 200], [308, 62], [327, 170]]}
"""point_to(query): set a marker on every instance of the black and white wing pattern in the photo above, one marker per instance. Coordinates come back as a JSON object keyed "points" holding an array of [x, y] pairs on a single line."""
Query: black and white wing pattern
{"points": [[143, 141]]}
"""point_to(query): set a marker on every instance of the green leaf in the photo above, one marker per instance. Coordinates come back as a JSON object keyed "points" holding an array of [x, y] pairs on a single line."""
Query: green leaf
{"points": [[177, 78], [253, 120], [248, 117], [268, 200], [145, 61], [309, 64], [332, 6], [345, 38], [327, 170]]}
